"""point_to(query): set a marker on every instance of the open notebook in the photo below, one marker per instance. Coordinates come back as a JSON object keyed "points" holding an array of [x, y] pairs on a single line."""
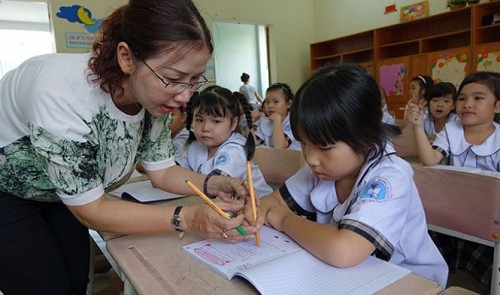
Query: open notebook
{"points": [[143, 192], [280, 266]]}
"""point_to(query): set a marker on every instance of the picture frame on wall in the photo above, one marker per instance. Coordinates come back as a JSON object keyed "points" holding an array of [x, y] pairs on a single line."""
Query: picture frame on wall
{"points": [[414, 11]]}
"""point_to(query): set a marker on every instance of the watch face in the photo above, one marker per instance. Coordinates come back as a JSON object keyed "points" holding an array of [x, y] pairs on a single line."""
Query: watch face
{"points": [[176, 223]]}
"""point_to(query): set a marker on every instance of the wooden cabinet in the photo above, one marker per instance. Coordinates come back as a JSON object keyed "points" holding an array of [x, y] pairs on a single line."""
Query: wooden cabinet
{"points": [[457, 41]]}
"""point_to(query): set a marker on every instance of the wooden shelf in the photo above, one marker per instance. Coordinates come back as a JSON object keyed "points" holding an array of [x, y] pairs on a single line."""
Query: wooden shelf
{"points": [[414, 43]]}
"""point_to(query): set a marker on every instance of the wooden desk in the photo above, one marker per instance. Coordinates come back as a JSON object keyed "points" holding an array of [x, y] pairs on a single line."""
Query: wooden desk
{"points": [[156, 264]]}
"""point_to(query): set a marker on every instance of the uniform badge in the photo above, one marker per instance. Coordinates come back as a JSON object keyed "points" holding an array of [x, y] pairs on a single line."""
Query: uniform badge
{"points": [[223, 159], [376, 190]]}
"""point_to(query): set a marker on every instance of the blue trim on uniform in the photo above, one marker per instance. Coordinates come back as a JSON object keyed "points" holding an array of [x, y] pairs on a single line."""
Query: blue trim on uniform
{"points": [[384, 249], [294, 206]]}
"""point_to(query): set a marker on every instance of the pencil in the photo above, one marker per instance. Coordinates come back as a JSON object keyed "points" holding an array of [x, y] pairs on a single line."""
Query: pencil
{"points": [[252, 200], [207, 200]]}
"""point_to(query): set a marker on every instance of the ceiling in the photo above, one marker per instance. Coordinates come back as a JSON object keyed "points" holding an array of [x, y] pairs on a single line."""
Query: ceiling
{"points": [[24, 11]]}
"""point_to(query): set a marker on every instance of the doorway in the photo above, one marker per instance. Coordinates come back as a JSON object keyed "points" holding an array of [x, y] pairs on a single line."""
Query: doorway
{"points": [[240, 48]]}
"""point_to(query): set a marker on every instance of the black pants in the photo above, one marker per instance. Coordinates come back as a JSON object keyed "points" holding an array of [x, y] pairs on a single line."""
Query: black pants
{"points": [[44, 249]]}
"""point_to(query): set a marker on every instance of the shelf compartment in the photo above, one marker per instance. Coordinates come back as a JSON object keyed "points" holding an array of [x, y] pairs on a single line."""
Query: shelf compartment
{"points": [[357, 42], [446, 41], [488, 34], [399, 49]]}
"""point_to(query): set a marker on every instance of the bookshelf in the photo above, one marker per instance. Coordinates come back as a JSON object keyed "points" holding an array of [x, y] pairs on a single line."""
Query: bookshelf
{"points": [[415, 44]]}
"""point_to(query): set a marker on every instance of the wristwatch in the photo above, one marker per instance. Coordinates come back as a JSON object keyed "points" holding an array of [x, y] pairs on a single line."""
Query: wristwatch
{"points": [[176, 221]]}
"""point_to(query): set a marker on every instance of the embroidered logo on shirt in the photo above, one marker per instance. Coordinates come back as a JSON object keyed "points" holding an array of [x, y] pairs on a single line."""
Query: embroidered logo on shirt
{"points": [[223, 159], [374, 191]]}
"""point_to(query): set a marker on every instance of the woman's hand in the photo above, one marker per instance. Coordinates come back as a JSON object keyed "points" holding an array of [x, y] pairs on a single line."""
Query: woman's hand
{"points": [[228, 189], [204, 220]]}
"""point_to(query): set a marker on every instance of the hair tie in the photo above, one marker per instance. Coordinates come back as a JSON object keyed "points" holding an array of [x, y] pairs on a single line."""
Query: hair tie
{"points": [[423, 79]]}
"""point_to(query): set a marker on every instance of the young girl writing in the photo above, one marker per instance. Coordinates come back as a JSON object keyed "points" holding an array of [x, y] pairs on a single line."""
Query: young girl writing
{"points": [[358, 197], [473, 141], [274, 130], [214, 146], [441, 108]]}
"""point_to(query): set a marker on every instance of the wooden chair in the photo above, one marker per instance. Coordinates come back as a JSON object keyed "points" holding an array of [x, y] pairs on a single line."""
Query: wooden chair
{"points": [[463, 204], [277, 165]]}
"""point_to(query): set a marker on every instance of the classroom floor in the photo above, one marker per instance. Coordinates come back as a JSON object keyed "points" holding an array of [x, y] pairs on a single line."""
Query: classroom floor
{"points": [[109, 283]]}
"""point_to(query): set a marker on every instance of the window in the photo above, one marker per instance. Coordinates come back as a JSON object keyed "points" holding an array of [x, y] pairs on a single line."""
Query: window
{"points": [[26, 27]]}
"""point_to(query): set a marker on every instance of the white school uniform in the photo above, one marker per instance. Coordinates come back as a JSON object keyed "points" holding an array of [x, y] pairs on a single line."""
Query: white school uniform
{"points": [[230, 158], [265, 132], [451, 143], [429, 127], [179, 141], [384, 207]]}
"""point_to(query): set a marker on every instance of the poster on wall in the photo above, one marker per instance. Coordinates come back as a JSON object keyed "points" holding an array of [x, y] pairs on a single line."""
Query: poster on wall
{"points": [[449, 68], [81, 35], [414, 11], [392, 78], [489, 61]]}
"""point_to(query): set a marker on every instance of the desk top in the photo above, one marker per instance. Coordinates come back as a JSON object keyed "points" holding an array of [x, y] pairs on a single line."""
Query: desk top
{"points": [[156, 264]]}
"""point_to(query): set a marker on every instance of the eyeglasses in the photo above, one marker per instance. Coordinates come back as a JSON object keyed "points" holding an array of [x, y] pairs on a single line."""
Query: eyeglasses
{"points": [[178, 87]]}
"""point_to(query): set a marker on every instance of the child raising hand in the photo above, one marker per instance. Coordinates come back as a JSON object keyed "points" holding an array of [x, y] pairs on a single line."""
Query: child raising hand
{"points": [[355, 197]]}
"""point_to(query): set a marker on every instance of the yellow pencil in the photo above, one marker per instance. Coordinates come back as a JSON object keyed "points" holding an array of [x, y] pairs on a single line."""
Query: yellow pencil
{"points": [[213, 205], [252, 200]]}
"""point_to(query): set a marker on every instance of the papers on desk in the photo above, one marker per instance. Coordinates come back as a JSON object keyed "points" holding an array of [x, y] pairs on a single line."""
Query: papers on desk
{"points": [[143, 192], [281, 266]]}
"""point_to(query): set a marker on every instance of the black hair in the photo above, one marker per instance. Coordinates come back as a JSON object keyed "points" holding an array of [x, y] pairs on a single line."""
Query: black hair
{"points": [[443, 88], [488, 79], [341, 103], [244, 77], [217, 101], [426, 83], [149, 27], [283, 87]]}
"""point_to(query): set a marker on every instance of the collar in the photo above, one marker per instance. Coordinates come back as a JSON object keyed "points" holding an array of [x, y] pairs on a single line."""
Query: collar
{"points": [[458, 144]]}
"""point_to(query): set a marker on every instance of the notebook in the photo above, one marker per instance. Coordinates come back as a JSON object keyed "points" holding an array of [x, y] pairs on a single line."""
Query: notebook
{"points": [[143, 192], [280, 266]]}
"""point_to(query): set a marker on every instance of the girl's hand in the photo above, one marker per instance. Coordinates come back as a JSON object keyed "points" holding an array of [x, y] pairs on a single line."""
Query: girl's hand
{"points": [[276, 215], [276, 118], [415, 115]]}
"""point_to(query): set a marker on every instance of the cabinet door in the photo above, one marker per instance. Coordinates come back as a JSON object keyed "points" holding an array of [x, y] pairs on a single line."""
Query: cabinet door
{"points": [[486, 57], [392, 77], [450, 65]]}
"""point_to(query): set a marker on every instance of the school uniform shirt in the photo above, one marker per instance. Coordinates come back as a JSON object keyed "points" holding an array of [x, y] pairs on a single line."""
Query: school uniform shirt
{"points": [[451, 143], [388, 118], [179, 141], [265, 132], [230, 158], [384, 207], [64, 139], [429, 127]]}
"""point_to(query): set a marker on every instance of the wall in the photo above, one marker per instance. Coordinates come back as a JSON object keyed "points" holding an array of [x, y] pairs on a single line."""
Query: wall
{"points": [[291, 30]]}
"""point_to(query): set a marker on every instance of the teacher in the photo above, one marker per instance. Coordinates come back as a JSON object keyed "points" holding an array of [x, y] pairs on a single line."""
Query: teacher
{"points": [[74, 126]]}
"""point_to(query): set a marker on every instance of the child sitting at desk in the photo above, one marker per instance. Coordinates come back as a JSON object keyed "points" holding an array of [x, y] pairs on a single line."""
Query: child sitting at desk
{"points": [[358, 198], [274, 129], [441, 108], [473, 141], [214, 145]]}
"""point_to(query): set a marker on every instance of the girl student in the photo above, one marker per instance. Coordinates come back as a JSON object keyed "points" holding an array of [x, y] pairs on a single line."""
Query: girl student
{"points": [[472, 141], [274, 130], [178, 130], [419, 90], [216, 145], [441, 108], [355, 197]]}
